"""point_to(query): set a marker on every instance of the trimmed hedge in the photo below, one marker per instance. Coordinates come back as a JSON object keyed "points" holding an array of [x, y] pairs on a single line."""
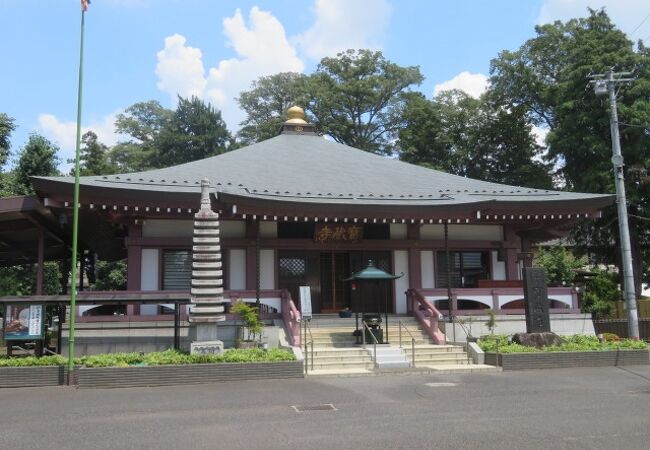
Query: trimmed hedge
{"points": [[575, 343], [168, 357]]}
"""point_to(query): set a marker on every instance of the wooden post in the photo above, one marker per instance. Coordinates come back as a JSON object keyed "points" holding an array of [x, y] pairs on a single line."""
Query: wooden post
{"points": [[41, 261]]}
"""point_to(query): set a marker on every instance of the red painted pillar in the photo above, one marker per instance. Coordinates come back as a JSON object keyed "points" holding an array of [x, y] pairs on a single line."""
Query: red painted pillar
{"points": [[415, 270], [252, 230], [511, 249], [134, 267], [41, 261]]}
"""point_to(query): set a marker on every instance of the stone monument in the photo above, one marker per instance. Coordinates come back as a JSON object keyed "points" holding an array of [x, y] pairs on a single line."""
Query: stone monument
{"points": [[207, 302], [536, 300], [538, 321]]}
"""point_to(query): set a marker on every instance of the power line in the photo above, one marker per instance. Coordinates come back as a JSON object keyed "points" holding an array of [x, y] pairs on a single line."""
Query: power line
{"points": [[639, 25]]}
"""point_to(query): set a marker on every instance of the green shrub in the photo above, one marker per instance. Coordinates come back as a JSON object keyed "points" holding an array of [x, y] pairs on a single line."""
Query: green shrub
{"points": [[560, 264], [167, 357], [32, 361], [249, 315], [600, 294], [575, 343]]}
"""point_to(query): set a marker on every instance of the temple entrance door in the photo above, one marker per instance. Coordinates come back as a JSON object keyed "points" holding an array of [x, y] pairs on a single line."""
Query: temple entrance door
{"points": [[335, 293], [297, 269]]}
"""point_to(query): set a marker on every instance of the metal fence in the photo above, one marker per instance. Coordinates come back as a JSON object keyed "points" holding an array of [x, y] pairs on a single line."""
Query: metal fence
{"points": [[619, 327]]}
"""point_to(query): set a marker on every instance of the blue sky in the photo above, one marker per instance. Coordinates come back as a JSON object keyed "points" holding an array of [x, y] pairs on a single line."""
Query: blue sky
{"points": [[138, 50]]}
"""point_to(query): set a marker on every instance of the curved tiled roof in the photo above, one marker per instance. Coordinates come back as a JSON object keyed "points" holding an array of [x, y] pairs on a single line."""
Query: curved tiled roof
{"points": [[313, 169]]}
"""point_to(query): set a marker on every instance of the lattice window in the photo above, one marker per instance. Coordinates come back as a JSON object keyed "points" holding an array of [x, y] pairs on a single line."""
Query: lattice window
{"points": [[292, 267], [177, 269]]}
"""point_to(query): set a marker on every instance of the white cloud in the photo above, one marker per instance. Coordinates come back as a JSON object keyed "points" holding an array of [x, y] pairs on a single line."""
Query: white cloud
{"points": [[474, 84], [180, 69], [343, 24], [261, 49], [626, 14], [540, 135], [64, 133]]}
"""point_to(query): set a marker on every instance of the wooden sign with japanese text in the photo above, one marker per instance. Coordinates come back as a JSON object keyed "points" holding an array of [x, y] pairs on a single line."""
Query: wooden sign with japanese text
{"points": [[334, 232]]}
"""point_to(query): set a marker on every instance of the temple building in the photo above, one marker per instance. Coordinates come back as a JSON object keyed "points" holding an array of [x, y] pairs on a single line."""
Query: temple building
{"points": [[302, 210]]}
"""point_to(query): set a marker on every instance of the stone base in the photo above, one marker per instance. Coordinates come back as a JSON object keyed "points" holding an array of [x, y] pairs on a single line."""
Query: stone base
{"points": [[206, 348], [202, 331], [538, 340]]}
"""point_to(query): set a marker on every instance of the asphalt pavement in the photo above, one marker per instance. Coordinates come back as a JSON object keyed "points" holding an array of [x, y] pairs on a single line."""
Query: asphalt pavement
{"points": [[589, 408]]}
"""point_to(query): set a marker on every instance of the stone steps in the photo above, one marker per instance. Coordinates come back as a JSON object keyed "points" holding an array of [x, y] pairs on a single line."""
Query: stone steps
{"points": [[336, 350]]}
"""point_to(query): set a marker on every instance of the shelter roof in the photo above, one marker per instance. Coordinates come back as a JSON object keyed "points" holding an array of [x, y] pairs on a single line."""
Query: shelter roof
{"points": [[307, 168]]}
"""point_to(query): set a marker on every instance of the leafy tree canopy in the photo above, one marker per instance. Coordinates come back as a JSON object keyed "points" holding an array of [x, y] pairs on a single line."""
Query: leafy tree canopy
{"points": [[266, 104], [7, 126], [37, 158], [94, 157], [472, 137], [161, 137], [547, 77], [357, 98]]}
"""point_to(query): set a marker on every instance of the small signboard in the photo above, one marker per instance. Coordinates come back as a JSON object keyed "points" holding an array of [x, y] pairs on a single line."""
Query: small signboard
{"points": [[327, 233], [23, 322], [305, 302]]}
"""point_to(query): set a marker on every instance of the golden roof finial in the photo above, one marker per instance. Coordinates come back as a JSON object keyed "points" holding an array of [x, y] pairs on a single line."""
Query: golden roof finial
{"points": [[296, 114]]}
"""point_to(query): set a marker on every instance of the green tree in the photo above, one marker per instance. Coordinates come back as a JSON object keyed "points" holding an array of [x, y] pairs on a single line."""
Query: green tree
{"points": [[37, 158], [474, 138], [93, 157], [547, 76], [21, 279], [143, 122], [560, 264], [110, 276], [266, 104], [7, 126], [161, 137], [601, 293], [195, 131], [358, 98]]}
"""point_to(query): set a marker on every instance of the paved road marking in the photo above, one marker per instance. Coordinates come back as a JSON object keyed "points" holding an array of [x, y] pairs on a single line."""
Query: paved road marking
{"points": [[440, 384], [304, 408]]}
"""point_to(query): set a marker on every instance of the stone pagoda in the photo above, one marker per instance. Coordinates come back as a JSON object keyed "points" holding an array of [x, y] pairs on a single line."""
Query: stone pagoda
{"points": [[207, 301]]}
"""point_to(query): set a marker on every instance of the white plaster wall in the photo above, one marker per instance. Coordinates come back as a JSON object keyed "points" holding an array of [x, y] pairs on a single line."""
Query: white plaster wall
{"points": [[267, 269], [462, 232], [426, 266], [562, 324], [149, 280], [269, 229], [232, 228], [185, 228], [505, 299], [237, 269], [167, 228], [398, 231], [485, 299], [498, 267], [150, 275], [401, 261]]}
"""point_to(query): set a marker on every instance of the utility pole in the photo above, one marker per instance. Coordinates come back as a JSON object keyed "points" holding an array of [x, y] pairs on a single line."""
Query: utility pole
{"points": [[606, 83]]}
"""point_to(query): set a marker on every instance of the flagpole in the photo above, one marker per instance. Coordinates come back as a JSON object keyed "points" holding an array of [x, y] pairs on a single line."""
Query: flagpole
{"points": [[75, 208]]}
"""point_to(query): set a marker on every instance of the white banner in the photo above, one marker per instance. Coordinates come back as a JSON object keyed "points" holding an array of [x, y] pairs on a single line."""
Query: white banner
{"points": [[305, 302]]}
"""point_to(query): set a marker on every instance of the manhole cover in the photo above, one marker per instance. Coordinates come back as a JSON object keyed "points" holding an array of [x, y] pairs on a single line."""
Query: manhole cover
{"points": [[304, 408], [440, 384]]}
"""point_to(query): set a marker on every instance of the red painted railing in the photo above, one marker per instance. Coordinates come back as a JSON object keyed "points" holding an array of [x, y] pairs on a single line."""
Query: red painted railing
{"points": [[291, 318], [426, 314]]}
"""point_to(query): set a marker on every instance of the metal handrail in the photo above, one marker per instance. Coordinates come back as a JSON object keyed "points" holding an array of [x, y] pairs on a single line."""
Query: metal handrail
{"points": [[309, 342], [366, 327], [412, 341]]}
